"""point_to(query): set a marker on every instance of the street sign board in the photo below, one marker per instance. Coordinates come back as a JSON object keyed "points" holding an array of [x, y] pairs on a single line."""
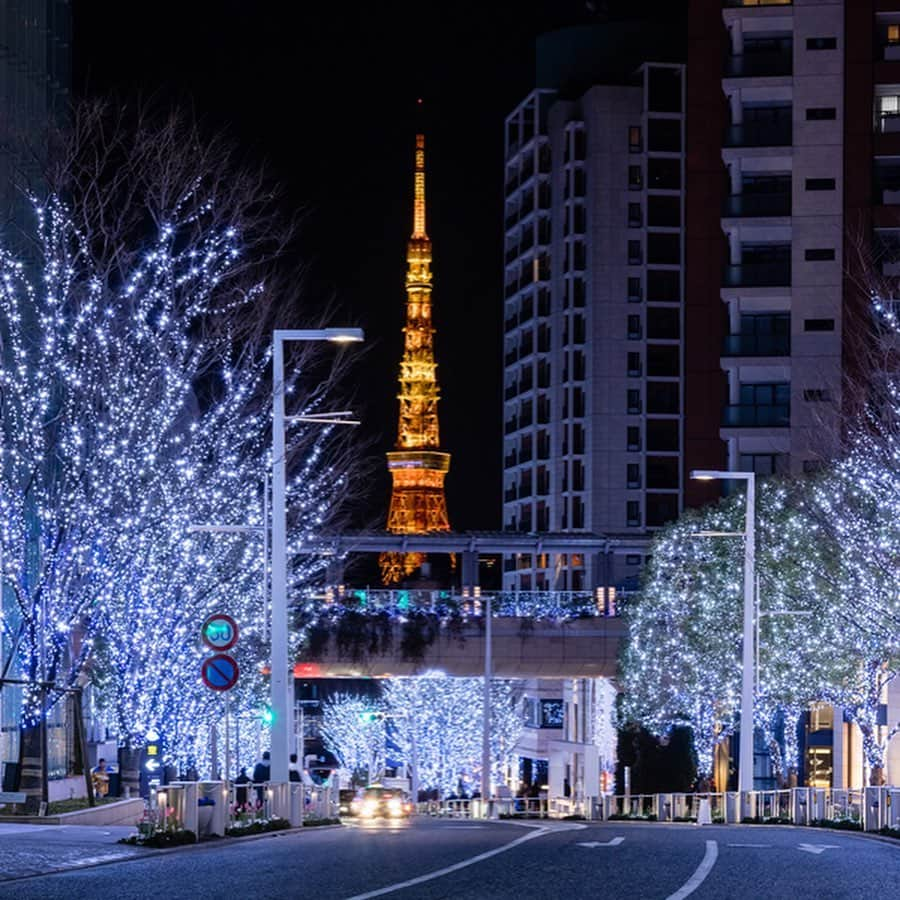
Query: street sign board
{"points": [[219, 632], [219, 672]]}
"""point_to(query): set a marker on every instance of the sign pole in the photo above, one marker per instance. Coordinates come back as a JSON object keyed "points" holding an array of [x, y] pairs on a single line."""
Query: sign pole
{"points": [[227, 750]]}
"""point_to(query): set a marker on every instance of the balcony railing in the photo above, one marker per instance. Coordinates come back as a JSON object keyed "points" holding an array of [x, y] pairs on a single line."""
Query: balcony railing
{"points": [[759, 65], [755, 205], [740, 416], [759, 134], [776, 274], [757, 345]]}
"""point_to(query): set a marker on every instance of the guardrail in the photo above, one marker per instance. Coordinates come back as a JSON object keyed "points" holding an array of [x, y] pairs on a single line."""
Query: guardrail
{"points": [[540, 604], [210, 807]]}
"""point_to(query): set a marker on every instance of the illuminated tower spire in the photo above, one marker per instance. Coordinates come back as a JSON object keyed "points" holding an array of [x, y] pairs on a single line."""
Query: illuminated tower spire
{"points": [[417, 466]]}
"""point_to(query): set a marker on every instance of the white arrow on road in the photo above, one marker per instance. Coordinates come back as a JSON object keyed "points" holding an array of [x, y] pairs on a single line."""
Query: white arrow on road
{"points": [[613, 842], [817, 848]]}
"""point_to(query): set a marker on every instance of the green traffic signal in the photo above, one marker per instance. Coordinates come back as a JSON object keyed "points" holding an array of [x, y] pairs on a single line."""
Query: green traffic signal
{"points": [[267, 716]]}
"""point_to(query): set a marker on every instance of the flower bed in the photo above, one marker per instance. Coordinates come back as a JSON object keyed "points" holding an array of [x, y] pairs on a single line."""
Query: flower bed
{"points": [[311, 823], [257, 826]]}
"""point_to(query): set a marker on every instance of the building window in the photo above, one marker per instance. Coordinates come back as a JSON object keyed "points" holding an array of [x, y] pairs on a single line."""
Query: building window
{"points": [[661, 509], [634, 364], [662, 435], [577, 512], [635, 219], [664, 135], [820, 113], [821, 43], [818, 324], [820, 184], [635, 257], [634, 290], [663, 249], [578, 144], [819, 254], [763, 463], [893, 34], [633, 438], [664, 286], [633, 397], [663, 323], [632, 514], [635, 178], [634, 139], [664, 174], [633, 479], [663, 360], [632, 559], [634, 328], [663, 397]]}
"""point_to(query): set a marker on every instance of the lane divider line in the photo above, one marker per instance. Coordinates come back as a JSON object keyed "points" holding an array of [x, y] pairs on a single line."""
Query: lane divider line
{"points": [[705, 867], [439, 873]]}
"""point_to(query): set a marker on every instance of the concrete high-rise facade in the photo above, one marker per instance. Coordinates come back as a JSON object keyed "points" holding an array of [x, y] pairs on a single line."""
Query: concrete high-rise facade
{"points": [[593, 285], [793, 208], [685, 260], [35, 78]]}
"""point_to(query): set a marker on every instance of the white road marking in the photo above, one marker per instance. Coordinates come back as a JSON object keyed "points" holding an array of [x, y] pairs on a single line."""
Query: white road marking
{"points": [[438, 873], [749, 845], [613, 842], [705, 867], [817, 848]]}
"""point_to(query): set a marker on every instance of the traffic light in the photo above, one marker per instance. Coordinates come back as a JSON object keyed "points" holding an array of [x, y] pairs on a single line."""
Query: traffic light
{"points": [[371, 716], [266, 715]]}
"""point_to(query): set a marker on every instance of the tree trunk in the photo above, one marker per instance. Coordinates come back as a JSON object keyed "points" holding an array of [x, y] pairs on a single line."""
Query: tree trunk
{"points": [[130, 771], [876, 776], [31, 768], [792, 779]]}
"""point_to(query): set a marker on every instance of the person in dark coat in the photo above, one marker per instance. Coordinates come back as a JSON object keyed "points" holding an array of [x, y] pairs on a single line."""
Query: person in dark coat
{"points": [[240, 793], [261, 774]]}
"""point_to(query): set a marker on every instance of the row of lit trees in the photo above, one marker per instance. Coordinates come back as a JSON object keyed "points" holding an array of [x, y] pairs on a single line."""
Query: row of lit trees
{"points": [[829, 626], [429, 724], [134, 402]]}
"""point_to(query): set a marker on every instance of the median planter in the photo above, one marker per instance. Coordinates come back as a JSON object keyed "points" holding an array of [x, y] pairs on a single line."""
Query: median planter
{"points": [[257, 826]]}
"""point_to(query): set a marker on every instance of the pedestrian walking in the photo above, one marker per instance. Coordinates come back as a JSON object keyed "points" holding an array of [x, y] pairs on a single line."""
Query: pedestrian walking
{"points": [[261, 775], [294, 769]]}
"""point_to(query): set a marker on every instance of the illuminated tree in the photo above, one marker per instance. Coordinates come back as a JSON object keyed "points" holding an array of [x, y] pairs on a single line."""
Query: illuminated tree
{"points": [[438, 728], [134, 395], [353, 728]]}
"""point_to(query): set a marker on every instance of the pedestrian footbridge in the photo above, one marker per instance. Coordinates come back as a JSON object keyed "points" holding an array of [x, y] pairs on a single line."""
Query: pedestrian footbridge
{"points": [[380, 634]]}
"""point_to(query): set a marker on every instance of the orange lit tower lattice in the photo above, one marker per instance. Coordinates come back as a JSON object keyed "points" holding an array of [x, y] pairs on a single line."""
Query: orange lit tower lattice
{"points": [[417, 465]]}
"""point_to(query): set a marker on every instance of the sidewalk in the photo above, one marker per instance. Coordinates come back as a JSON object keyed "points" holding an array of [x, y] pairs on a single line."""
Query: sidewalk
{"points": [[41, 849]]}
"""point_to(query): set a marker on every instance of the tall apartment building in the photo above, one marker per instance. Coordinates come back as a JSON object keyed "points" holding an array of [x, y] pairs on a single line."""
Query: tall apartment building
{"points": [[593, 287], [35, 76], [793, 163]]}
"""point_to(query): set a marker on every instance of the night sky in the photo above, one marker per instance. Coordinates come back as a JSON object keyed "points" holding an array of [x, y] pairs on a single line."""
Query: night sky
{"points": [[325, 96]]}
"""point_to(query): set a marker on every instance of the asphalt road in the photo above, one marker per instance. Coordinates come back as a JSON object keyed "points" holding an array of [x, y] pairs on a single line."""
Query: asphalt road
{"points": [[471, 860]]}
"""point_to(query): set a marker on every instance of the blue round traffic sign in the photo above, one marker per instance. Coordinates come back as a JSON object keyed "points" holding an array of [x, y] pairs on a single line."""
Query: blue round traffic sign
{"points": [[219, 632], [219, 672]]}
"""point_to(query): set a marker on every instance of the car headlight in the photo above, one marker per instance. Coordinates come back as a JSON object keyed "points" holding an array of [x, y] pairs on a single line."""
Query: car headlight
{"points": [[395, 807], [369, 808]]}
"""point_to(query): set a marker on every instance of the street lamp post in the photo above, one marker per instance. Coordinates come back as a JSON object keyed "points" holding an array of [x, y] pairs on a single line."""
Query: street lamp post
{"points": [[745, 769], [281, 684]]}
